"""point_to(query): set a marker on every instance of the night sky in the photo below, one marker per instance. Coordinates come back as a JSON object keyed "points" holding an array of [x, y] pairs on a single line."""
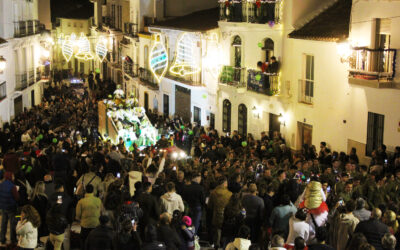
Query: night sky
{"points": [[67, 8]]}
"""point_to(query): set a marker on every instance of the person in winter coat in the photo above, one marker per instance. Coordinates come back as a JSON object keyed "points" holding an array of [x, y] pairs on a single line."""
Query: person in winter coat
{"points": [[168, 235], [242, 241], [57, 224], [254, 206], [100, 238], [39, 202], [234, 215], [27, 228], [347, 224], [9, 197], [150, 206], [188, 233], [298, 227], [171, 201], [218, 200]]}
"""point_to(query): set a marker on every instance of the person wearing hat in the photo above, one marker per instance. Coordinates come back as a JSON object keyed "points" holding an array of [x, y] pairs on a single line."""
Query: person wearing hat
{"points": [[188, 233], [8, 205]]}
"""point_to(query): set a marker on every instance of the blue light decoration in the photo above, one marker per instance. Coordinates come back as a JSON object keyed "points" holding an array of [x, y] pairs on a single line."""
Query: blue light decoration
{"points": [[158, 62]]}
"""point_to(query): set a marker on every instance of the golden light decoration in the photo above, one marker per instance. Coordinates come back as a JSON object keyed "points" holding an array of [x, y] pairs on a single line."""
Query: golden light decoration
{"points": [[84, 52], [158, 62], [67, 47], [101, 48], [184, 63]]}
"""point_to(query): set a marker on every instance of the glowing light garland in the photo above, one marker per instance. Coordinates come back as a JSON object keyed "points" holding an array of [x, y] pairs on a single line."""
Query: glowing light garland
{"points": [[67, 48], [184, 63], [158, 61], [101, 48], [84, 52]]}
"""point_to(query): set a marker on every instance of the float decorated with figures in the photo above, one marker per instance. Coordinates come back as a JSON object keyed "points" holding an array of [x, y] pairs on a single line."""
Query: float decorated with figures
{"points": [[120, 117]]}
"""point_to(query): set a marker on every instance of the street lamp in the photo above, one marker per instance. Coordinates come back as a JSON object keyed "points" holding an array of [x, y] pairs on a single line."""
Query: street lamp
{"points": [[256, 114], [2, 64], [282, 119]]}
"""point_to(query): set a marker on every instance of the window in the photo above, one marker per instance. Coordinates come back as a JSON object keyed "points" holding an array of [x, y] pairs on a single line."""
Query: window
{"points": [[242, 120], [306, 85], [113, 15], [197, 115], [166, 105], [374, 132], [226, 116], [146, 56], [3, 90], [237, 51]]}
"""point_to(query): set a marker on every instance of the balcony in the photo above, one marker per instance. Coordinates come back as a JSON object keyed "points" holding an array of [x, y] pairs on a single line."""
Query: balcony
{"points": [[263, 83], [38, 27], [190, 79], [262, 12], [3, 91], [30, 27], [235, 77], [130, 69], [147, 79], [20, 29], [38, 74], [372, 67], [31, 77], [131, 29], [306, 91], [20, 82]]}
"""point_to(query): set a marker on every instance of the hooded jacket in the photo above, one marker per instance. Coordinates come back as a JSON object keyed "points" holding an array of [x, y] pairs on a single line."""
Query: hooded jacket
{"points": [[239, 244], [27, 234], [171, 202]]}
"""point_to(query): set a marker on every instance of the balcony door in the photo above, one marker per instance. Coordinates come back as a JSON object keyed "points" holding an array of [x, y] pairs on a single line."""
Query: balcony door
{"points": [[304, 132], [226, 116], [375, 129], [166, 105], [182, 103], [242, 120], [18, 105], [274, 124], [237, 57], [146, 101], [268, 49]]}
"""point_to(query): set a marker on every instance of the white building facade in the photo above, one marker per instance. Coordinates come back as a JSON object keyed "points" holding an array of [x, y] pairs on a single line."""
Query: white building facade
{"points": [[21, 80]]}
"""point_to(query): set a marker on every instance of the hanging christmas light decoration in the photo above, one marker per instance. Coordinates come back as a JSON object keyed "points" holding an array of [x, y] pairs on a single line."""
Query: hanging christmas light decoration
{"points": [[101, 48], [67, 47], [158, 62], [184, 63], [84, 52]]}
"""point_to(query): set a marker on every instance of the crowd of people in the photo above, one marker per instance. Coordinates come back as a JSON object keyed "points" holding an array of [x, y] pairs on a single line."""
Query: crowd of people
{"points": [[61, 179]]}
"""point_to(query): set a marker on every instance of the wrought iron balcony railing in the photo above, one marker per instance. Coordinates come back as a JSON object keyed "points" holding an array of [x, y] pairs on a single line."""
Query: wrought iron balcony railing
{"points": [[147, 78], [232, 76], [131, 29], [130, 69], [31, 77], [20, 81], [38, 74], [27, 28], [263, 83], [372, 64], [20, 29], [251, 11]]}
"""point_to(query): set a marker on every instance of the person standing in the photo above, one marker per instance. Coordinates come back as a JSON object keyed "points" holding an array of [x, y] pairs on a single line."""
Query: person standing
{"points": [[57, 223], [171, 201], [218, 200], [27, 228], [8, 205], [194, 195], [39, 202], [254, 207], [100, 238], [88, 213]]}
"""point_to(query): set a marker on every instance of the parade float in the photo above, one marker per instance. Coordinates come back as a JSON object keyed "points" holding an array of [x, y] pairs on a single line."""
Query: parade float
{"points": [[121, 117]]}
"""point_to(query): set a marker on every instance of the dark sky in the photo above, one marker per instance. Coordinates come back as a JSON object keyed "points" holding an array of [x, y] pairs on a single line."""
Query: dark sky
{"points": [[71, 9]]}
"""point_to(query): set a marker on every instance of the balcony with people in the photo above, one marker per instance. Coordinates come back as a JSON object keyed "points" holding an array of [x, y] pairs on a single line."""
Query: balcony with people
{"points": [[147, 79], [130, 68], [372, 67], [251, 11]]}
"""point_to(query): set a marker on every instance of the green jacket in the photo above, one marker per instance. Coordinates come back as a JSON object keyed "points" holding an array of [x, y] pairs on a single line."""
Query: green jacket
{"points": [[218, 200], [88, 211]]}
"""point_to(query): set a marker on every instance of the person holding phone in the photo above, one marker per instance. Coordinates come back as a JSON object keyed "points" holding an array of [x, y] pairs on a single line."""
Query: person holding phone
{"points": [[27, 227], [128, 238]]}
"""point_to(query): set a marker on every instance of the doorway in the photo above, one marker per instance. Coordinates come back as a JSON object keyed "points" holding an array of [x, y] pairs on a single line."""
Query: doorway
{"points": [[305, 134], [146, 101], [182, 103], [197, 115], [33, 98], [18, 105], [166, 105], [212, 120], [274, 124]]}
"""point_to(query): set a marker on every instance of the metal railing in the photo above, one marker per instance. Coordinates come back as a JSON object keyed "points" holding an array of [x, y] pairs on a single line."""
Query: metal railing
{"points": [[131, 29], [38, 74], [3, 90], [20, 29], [232, 76], [263, 11], [263, 83], [31, 77], [130, 69], [306, 91], [372, 64], [38, 27], [20, 81], [30, 27], [27, 28], [147, 78]]}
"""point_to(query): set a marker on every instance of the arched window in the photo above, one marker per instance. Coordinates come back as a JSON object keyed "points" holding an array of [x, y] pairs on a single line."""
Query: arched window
{"points": [[268, 48], [242, 120], [226, 116]]}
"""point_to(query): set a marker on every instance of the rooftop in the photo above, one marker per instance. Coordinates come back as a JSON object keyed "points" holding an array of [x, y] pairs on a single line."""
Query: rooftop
{"points": [[197, 21], [330, 25]]}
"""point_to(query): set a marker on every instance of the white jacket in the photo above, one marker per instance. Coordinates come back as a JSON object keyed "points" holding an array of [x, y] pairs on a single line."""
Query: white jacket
{"points": [[27, 234], [171, 202], [297, 228], [239, 244]]}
